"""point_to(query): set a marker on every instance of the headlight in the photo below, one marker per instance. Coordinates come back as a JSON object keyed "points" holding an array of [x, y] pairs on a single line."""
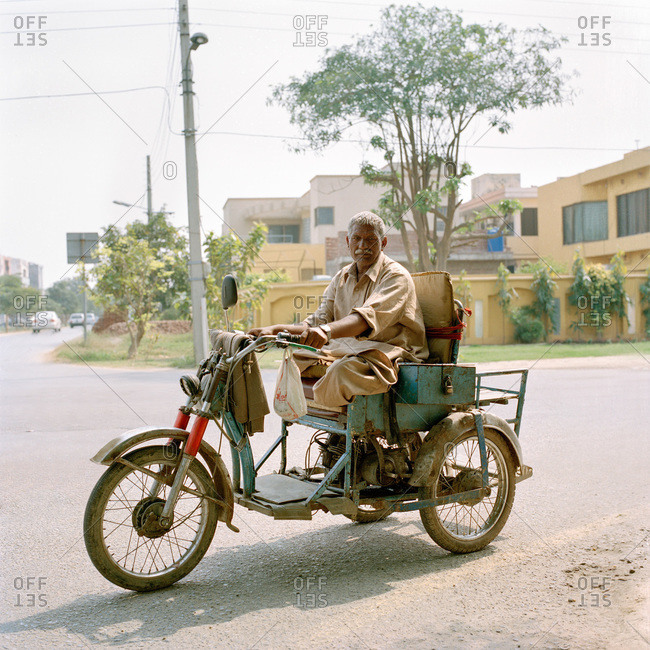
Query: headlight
{"points": [[190, 385]]}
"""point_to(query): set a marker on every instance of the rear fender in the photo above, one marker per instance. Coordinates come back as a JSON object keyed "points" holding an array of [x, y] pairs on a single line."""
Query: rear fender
{"points": [[130, 439], [457, 424]]}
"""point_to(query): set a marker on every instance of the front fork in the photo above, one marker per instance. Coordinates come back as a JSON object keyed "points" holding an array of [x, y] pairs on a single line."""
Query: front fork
{"points": [[192, 447]]}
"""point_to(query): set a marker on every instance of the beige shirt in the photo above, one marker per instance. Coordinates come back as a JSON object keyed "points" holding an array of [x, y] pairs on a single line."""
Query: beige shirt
{"points": [[385, 298]]}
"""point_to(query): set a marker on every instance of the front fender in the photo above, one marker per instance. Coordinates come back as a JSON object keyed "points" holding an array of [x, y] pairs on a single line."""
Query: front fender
{"points": [[457, 424], [130, 439]]}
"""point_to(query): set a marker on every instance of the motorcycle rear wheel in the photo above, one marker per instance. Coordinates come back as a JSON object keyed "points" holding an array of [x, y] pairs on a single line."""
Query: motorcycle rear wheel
{"points": [[467, 527], [122, 535]]}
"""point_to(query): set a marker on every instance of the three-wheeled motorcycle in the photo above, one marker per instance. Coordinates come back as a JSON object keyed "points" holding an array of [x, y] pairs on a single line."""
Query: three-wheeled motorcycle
{"points": [[431, 444]]}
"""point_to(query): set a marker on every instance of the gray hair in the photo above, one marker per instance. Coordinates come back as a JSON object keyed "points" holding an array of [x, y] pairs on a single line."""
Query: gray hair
{"points": [[367, 218]]}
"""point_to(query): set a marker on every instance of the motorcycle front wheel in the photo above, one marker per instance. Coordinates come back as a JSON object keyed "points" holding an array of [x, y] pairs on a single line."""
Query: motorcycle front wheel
{"points": [[123, 536]]}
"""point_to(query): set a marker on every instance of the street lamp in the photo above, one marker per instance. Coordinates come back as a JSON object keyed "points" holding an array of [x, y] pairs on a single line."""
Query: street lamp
{"points": [[197, 268], [198, 39]]}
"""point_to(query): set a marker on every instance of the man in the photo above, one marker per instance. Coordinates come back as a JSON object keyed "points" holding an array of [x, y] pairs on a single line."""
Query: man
{"points": [[368, 321]]}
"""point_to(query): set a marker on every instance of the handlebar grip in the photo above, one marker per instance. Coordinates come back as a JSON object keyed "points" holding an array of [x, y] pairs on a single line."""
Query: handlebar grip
{"points": [[291, 338]]}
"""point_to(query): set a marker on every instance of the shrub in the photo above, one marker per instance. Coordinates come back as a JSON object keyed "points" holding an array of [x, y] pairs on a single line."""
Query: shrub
{"points": [[528, 327]]}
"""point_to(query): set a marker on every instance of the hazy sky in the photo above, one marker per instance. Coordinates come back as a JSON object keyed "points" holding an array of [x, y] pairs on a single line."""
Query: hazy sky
{"points": [[65, 159]]}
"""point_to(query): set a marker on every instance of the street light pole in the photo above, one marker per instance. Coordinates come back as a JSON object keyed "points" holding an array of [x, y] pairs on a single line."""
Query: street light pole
{"points": [[196, 266]]}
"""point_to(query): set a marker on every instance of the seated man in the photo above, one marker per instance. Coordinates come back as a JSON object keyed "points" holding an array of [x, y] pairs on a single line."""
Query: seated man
{"points": [[368, 321]]}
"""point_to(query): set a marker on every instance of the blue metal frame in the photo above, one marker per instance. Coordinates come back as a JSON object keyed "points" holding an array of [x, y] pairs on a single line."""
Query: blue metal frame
{"points": [[417, 382], [505, 393]]}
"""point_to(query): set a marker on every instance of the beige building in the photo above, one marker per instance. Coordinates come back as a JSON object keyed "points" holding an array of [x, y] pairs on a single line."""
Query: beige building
{"points": [[318, 218], [599, 212]]}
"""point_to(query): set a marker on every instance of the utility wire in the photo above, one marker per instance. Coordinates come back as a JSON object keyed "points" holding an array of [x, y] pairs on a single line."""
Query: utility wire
{"points": [[99, 92]]}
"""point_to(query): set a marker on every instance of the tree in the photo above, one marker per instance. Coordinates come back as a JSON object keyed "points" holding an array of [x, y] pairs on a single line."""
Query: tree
{"points": [[128, 277], [544, 287], [645, 302], [229, 254], [171, 248], [415, 85], [68, 295], [598, 293]]}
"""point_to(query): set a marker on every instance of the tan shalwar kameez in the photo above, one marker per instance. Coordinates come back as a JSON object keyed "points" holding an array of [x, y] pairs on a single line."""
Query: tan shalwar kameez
{"points": [[385, 298]]}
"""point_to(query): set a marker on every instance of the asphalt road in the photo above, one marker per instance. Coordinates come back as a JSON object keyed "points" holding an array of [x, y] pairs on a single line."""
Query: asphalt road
{"points": [[569, 570]]}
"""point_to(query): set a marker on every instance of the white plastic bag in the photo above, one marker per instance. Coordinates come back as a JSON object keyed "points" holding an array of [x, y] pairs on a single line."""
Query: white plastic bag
{"points": [[289, 402]]}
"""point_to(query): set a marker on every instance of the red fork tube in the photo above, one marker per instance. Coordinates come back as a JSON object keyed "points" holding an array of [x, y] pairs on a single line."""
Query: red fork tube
{"points": [[196, 436], [182, 420]]}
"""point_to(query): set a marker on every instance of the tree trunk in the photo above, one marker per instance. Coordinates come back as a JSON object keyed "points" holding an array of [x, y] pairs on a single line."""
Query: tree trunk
{"points": [[424, 261], [442, 253], [133, 348], [407, 248]]}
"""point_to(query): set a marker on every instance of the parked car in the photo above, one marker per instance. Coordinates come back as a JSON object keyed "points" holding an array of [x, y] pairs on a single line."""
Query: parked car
{"points": [[44, 320], [78, 319]]}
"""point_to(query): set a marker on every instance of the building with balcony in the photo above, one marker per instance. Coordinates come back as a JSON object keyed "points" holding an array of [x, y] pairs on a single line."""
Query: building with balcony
{"points": [[488, 190]]}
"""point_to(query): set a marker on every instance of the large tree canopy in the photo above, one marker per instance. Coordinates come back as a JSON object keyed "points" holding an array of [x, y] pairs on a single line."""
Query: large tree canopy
{"points": [[414, 86]]}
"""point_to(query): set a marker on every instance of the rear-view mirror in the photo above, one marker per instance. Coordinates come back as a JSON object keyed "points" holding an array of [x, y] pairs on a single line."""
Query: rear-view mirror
{"points": [[228, 292]]}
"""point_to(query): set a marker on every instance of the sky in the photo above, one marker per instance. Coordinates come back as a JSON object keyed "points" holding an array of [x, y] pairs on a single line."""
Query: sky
{"points": [[96, 89]]}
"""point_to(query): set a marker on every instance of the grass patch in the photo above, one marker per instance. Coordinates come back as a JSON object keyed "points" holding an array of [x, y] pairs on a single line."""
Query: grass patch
{"points": [[531, 351], [156, 349], [176, 351]]}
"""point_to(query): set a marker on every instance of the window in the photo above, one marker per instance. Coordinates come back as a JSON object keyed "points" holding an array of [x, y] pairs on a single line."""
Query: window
{"points": [[289, 234], [324, 216], [633, 213], [584, 222], [529, 222]]}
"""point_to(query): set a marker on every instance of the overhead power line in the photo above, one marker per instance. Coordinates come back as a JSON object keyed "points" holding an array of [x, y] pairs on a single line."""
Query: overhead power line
{"points": [[360, 141], [102, 92]]}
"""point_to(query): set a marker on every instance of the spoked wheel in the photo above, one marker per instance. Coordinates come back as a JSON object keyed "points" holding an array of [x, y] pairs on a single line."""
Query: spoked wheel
{"points": [[467, 526], [124, 537], [367, 513]]}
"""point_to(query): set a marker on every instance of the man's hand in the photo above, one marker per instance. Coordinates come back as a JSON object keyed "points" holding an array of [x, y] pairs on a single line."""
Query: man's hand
{"points": [[262, 331], [314, 336]]}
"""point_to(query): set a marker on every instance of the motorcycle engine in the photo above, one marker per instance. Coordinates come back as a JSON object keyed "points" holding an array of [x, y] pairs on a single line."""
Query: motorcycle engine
{"points": [[395, 467], [395, 461]]}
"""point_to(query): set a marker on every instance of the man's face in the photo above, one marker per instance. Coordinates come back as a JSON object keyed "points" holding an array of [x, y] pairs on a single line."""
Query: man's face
{"points": [[365, 246]]}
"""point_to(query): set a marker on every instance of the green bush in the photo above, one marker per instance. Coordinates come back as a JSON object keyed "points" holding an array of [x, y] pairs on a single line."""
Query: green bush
{"points": [[528, 327]]}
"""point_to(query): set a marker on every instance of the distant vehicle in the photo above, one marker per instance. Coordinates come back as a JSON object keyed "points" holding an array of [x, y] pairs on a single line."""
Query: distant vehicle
{"points": [[44, 320], [78, 319]]}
